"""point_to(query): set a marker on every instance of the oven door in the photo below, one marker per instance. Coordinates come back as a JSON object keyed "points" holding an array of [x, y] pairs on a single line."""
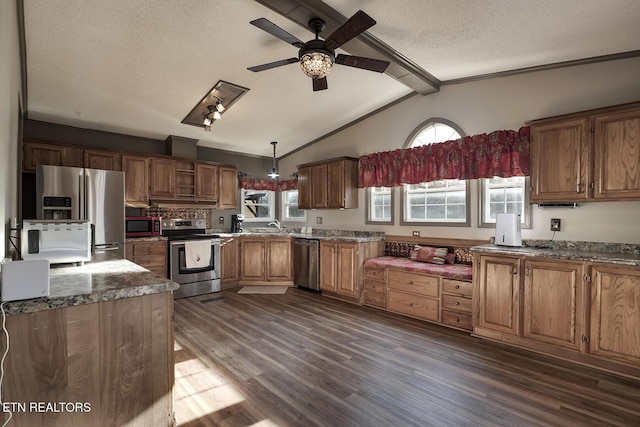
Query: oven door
{"points": [[178, 272]]}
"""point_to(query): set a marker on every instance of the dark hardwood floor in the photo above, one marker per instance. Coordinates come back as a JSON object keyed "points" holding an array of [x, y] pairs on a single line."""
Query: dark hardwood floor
{"points": [[301, 359]]}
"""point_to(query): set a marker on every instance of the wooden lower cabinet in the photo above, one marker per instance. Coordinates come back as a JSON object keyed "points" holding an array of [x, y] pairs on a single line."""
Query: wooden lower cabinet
{"points": [[341, 267], [457, 304], [375, 287], [266, 260], [582, 311], [229, 259], [151, 255], [113, 358], [615, 313]]}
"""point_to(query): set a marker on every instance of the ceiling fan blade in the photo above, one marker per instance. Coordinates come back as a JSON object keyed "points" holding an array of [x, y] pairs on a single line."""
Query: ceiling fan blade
{"points": [[271, 28], [319, 84], [365, 63], [271, 65], [354, 26]]}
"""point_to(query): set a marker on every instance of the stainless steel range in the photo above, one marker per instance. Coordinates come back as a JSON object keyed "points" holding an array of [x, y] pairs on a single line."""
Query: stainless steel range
{"points": [[194, 257]]}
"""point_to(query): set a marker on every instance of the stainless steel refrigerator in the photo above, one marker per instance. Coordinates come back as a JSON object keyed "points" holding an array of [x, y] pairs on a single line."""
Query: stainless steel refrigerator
{"points": [[80, 193]]}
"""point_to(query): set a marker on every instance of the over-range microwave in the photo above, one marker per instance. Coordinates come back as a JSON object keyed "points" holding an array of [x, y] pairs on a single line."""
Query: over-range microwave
{"points": [[143, 226]]}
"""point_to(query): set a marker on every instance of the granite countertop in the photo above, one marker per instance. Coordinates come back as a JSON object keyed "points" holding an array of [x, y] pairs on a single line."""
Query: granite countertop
{"points": [[105, 278], [352, 236], [145, 239], [587, 252]]}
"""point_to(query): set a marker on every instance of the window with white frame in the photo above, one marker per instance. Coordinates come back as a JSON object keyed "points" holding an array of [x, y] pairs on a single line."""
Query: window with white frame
{"points": [[443, 202], [290, 210], [503, 195], [379, 205], [258, 205]]}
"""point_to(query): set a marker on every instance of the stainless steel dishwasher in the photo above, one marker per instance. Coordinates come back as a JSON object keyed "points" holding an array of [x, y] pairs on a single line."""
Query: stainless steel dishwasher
{"points": [[306, 263]]}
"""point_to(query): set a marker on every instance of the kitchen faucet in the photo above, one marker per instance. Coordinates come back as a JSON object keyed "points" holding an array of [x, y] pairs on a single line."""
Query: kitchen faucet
{"points": [[276, 223]]}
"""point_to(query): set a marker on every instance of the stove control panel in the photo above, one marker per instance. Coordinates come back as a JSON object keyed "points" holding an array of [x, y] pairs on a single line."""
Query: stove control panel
{"points": [[184, 224]]}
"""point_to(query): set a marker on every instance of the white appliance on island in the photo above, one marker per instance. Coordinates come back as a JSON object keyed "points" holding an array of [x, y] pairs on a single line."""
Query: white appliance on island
{"points": [[508, 229]]}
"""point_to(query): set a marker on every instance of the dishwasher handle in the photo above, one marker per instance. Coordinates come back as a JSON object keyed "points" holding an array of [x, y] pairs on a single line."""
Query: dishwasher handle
{"points": [[306, 242]]}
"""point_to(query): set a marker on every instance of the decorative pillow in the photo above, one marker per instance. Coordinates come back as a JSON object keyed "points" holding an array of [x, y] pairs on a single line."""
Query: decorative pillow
{"points": [[450, 258], [428, 254]]}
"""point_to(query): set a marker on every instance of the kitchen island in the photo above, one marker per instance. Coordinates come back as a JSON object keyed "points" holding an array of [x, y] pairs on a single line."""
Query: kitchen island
{"points": [[97, 351]]}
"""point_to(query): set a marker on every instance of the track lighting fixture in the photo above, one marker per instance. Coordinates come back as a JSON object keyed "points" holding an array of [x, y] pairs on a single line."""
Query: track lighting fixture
{"points": [[213, 114]]}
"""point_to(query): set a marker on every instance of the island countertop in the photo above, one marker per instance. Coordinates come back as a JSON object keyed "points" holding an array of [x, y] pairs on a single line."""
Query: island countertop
{"points": [[105, 278]]}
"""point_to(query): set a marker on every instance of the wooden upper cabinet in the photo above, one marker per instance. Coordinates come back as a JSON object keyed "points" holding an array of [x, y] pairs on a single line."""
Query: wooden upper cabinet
{"points": [[615, 318], [38, 153], [162, 178], [328, 184], [617, 155], [587, 156], [304, 187], [206, 182], [228, 187], [105, 160], [136, 180], [554, 302], [559, 161]]}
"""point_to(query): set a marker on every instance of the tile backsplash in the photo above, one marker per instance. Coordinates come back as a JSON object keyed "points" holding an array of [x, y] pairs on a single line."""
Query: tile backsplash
{"points": [[198, 213]]}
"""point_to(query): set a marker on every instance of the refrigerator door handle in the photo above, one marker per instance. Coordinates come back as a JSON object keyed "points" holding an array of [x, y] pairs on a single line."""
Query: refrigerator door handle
{"points": [[80, 197], [93, 239]]}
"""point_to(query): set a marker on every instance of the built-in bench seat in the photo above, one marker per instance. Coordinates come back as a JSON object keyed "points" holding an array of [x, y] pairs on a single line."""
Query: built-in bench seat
{"points": [[452, 271], [440, 293]]}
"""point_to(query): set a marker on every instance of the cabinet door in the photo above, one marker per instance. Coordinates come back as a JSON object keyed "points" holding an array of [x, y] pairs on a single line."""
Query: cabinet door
{"points": [[279, 265], [328, 266], [615, 313], [319, 186], [252, 256], [228, 184], [37, 153], [162, 179], [105, 160], [206, 182], [498, 299], [304, 188], [136, 181], [229, 259], [335, 180], [553, 302], [347, 280], [617, 156], [560, 161]]}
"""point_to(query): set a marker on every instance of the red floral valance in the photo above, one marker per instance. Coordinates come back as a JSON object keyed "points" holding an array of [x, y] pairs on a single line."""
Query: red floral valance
{"points": [[268, 184], [503, 153]]}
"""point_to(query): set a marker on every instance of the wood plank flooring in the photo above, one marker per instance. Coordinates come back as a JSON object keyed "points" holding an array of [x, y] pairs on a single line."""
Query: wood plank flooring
{"points": [[301, 359]]}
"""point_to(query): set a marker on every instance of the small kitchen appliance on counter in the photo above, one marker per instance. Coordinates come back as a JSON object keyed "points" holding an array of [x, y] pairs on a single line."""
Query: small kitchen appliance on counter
{"points": [[508, 229], [25, 279], [143, 226], [58, 241], [236, 223]]}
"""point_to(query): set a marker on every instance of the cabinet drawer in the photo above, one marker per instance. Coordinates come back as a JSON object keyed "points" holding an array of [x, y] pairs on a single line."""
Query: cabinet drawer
{"points": [[413, 305], [147, 248], [376, 273], [459, 320], [150, 260], [375, 286], [160, 270], [457, 287], [376, 299], [417, 283], [458, 303]]}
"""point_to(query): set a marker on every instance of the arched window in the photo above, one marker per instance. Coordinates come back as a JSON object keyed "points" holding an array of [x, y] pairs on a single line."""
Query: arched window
{"points": [[442, 202]]}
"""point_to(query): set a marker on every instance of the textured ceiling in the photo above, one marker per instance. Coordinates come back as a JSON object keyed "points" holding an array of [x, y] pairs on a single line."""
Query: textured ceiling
{"points": [[139, 66]]}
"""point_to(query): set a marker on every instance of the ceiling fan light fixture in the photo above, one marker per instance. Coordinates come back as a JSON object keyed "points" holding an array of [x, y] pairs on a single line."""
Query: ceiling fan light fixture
{"points": [[316, 64]]}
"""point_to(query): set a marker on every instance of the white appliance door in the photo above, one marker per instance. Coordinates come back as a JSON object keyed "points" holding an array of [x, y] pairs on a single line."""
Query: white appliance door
{"points": [[60, 181], [105, 208]]}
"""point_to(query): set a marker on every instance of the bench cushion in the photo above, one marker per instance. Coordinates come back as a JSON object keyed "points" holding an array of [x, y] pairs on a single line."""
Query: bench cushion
{"points": [[452, 271]]}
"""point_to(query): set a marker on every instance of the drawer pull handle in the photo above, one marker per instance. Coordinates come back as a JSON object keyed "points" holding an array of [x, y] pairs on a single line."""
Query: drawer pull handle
{"points": [[457, 286], [411, 282], [457, 320], [410, 304], [457, 302]]}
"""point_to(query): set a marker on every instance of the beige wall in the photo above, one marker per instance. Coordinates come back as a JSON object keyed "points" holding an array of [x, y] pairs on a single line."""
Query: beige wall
{"points": [[485, 106], [10, 84]]}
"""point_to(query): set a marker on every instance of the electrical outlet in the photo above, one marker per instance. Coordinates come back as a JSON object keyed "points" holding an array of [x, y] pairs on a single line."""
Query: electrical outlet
{"points": [[221, 220], [319, 220], [416, 234], [555, 224]]}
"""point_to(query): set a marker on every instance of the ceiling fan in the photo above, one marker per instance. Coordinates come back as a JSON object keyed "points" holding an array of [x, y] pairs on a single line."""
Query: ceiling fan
{"points": [[317, 56]]}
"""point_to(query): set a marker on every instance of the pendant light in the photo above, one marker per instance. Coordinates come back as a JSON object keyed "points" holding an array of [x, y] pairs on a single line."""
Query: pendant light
{"points": [[274, 171]]}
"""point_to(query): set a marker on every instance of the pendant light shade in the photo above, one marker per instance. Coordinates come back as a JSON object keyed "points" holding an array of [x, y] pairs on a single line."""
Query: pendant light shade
{"points": [[274, 170]]}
